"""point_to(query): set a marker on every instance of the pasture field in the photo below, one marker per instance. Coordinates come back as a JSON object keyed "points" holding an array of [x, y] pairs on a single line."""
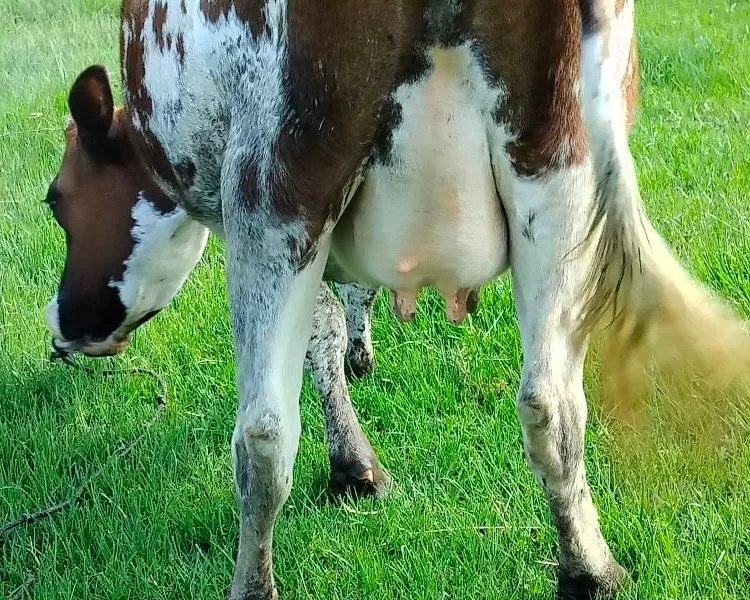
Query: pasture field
{"points": [[465, 518]]}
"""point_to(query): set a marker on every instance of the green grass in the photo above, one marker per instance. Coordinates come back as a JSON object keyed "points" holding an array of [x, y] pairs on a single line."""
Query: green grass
{"points": [[465, 519]]}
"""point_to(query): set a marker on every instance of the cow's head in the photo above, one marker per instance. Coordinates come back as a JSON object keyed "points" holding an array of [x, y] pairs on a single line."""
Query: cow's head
{"points": [[129, 248]]}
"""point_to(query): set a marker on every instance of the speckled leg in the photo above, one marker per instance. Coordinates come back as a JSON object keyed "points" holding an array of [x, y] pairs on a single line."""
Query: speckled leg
{"points": [[358, 302], [354, 465]]}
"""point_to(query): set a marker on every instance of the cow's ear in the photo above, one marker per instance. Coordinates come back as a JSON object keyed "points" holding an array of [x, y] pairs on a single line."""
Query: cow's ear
{"points": [[92, 107]]}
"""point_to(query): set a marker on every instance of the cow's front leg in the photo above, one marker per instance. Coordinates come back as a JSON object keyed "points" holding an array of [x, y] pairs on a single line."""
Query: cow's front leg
{"points": [[272, 292], [354, 465], [358, 301], [547, 284]]}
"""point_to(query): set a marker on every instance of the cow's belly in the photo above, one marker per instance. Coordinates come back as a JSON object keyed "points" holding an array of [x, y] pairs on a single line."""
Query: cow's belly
{"points": [[429, 214]]}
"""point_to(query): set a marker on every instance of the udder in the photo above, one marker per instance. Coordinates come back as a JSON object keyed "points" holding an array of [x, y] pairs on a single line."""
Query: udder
{"points": [[429, 215], [453, 240]]}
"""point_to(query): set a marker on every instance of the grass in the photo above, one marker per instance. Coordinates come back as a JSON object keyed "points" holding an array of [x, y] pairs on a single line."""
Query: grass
{"points": [[466, 519]]}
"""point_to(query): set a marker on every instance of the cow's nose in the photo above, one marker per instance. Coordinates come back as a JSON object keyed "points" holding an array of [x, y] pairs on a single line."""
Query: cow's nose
{"points": [[60, 344], [52, 316]]}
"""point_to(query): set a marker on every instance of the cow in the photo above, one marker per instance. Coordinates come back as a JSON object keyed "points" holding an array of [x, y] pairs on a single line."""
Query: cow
{"points": [[398, 144]]}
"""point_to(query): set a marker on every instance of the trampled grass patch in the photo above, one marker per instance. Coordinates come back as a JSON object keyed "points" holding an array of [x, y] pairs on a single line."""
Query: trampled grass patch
{"points": [[465, 519]]}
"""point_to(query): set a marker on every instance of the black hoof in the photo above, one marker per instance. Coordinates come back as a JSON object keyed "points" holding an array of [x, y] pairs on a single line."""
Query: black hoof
{"points": [[586, 586], [359, 478], [359, 361]]}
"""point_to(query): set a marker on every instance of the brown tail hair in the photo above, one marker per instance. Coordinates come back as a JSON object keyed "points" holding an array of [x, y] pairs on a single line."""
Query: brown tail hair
{"points": [[637, 292]]}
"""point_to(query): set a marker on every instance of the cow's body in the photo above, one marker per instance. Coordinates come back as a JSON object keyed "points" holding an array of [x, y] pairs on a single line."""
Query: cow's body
{"points": [[400, 144], [421, 109]]}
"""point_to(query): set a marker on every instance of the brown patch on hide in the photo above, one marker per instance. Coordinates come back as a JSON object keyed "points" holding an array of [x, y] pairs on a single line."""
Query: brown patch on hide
{"points": [[342, 64], [630, 84], [533, 50], [180, 48], [160, 17], [133, 67], [248, 11]]}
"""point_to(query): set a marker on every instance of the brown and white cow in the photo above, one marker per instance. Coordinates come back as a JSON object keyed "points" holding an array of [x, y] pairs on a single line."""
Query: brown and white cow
{"points": [[400, 144]]}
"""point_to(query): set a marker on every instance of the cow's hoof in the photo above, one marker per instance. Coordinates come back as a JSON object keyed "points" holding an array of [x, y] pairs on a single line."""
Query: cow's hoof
{"points": [[587, 586], [271, 594], [359, 360], [359, 478]]}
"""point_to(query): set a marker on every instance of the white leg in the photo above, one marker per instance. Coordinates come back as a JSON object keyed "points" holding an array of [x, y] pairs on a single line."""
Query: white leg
{"points": [[547, 218], [272, 296], [270, 355]]}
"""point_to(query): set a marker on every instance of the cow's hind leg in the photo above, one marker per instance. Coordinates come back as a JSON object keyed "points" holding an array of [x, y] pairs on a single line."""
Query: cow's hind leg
{"points": [[358, 301], [354, 465], [546, 218]]}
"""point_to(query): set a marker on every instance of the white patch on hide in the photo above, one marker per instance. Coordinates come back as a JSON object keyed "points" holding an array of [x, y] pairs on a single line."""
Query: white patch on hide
{"points": [[434, 206], [228, 78], [167, 248]]}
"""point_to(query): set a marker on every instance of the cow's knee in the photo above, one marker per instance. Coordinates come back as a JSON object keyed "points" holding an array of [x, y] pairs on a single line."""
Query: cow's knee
{"points": [[261, 448], [550, 436]]}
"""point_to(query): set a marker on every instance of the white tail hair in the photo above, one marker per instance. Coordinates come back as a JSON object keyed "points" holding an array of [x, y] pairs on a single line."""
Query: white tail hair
{"points": [[636, 288]]}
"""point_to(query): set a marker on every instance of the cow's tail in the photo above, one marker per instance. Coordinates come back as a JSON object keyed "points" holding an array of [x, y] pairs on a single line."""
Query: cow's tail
{"points": [[638, 293]]}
